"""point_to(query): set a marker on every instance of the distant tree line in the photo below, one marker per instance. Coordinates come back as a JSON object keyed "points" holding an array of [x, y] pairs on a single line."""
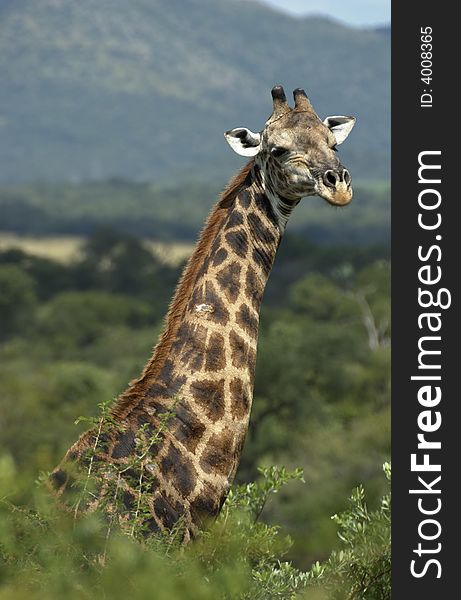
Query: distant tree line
{"points": [[177, 212]]}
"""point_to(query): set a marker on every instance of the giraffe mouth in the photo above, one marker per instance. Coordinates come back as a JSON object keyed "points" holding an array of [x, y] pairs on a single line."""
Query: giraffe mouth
{"points": [[340, 195]]}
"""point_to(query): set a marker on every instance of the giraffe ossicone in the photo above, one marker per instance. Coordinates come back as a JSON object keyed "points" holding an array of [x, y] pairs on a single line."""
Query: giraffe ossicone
{"points": [[173, 439]]}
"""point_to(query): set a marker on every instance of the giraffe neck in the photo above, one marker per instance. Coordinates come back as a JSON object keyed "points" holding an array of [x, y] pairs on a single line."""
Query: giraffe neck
{"points": [[208, 375], [202, 371], [257, 217], [280, 206]]}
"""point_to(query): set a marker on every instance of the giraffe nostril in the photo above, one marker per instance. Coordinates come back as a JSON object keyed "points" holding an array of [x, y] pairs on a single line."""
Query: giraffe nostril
{"points": [[330, 178], [347, 177]]}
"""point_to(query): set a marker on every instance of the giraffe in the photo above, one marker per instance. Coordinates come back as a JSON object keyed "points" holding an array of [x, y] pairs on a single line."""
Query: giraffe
{"points": [[193, 399]]}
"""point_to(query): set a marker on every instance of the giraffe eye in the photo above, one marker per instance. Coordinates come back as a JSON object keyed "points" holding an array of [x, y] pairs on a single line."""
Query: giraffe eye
{"points": [[334, 148], [278, 151]]}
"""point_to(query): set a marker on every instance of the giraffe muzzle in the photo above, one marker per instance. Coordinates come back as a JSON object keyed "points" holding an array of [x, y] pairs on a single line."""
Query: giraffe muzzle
{"points": [[335, 186]]}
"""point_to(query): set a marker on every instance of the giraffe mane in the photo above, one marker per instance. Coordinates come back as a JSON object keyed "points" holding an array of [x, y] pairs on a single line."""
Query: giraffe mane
{"points": [[137, 388]]}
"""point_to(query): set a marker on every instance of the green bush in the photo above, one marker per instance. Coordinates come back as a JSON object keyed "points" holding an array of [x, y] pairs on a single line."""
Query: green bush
{"points": [[361, 569], [78, 319], [322, 383], [47, 554], [17, 300]]}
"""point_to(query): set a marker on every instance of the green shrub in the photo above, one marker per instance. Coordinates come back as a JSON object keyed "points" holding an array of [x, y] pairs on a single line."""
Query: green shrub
{"points": [[79, 319], [47, 554], [17, 300], [361, 570]]}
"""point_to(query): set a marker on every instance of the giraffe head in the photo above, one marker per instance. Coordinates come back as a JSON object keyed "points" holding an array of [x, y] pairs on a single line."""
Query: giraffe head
{"points": [[296, 151]]}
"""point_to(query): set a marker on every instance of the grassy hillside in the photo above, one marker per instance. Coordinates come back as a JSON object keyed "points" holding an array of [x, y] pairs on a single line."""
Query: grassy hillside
{"points": [[142, 89]]}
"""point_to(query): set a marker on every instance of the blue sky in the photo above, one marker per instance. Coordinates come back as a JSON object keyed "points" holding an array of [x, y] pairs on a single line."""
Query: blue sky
{"points": [[353, 12]]}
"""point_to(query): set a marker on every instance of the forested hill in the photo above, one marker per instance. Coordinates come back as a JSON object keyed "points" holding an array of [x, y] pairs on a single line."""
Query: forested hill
{"points": [[143, 89]]}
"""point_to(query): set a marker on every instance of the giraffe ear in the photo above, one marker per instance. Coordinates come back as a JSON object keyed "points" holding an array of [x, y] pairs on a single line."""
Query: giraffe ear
{"points": [[340, 127], [243, 141]]}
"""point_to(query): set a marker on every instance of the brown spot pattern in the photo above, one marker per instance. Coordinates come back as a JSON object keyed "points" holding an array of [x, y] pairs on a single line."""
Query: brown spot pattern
{"points": [[124, 446], [261, 232], [240, 398], [220, 313], [218, 456], [265, 207], [197, 296], [181, 339], [188, 427], [235, 219], [203, 268], [59, 478], [263, 259], [229, 280], [194, 352], [216, 245], [253, 289], [129, 500], [207, 504], [247, 321], [165, 512], [169, 383], [150, 526], [219, 257], [180, 470], [209, 395], [238, 241], [215, 359], [242, 355], [244, 199]]}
